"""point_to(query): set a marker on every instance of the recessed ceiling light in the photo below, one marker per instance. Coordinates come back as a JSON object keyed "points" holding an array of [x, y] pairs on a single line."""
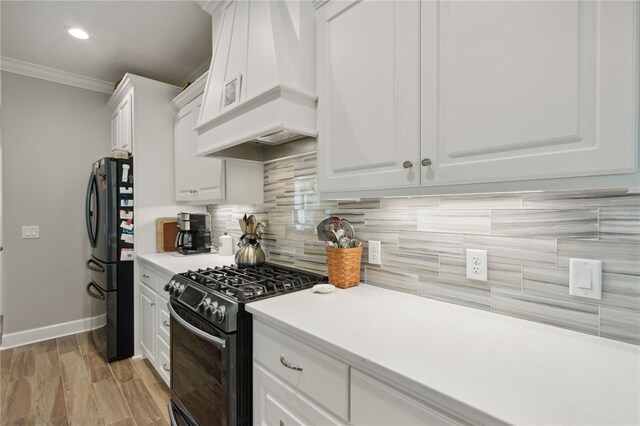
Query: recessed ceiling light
{"points": [[78, 33]]}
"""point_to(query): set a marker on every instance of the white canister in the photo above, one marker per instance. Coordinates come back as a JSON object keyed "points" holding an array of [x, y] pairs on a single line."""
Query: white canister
{"points": [[225, 245]]}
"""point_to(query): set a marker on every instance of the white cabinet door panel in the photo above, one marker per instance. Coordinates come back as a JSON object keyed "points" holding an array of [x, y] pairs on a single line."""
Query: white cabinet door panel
{"points": [[164, 361], [209, 176], [148, 323], [368, 78], [516, 90], [275, 403], [185, 121]]}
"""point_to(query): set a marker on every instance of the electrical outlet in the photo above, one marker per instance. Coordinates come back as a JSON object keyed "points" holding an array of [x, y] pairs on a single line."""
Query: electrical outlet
{"points": [[374, 253], [477, 264]]}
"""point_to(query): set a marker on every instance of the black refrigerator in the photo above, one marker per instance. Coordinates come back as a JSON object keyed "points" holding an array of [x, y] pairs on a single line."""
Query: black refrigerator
{"points": [[109, 217]]}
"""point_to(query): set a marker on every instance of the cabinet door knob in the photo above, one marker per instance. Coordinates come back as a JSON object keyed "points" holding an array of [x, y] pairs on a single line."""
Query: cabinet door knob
{"points": [[426, 162], [165, 323], [152, 304], [165, 368], [407, 164], [145, 276]]}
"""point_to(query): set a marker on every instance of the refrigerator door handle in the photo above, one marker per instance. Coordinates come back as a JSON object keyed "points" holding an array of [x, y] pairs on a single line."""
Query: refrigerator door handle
{"points": [[94, 266], [100, 295], [92, 189]]}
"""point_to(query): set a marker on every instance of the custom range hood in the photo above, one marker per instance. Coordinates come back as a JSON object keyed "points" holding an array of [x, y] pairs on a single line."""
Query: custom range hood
{"points": [[260, 99]]}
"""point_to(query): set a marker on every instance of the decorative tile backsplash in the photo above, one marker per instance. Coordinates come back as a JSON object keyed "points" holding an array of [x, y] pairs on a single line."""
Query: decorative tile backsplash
{"points": [[529, 238]]}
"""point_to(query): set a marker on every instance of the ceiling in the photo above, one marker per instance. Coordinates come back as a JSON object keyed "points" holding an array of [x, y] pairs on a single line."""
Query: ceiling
{"points": [[162, 40]]}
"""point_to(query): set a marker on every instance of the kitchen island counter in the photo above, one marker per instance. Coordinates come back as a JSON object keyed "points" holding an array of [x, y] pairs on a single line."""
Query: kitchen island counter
{"points": [[468, 360]]}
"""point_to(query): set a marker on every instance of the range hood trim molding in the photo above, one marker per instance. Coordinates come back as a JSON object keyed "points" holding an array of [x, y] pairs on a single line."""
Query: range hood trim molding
{"points": [[272, 93]]}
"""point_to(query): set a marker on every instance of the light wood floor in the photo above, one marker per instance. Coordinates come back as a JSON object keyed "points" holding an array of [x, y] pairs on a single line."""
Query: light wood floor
{"points": [[65, 381]]}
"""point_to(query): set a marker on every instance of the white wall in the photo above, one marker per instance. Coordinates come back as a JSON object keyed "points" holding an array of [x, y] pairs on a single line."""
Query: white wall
{"points": [[51, 135]]}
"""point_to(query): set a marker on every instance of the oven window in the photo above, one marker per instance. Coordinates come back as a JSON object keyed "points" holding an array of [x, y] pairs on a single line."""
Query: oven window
{"points": [[199, 373]]}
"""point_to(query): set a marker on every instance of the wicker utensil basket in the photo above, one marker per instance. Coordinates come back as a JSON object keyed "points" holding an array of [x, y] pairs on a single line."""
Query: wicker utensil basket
{"points": [[344, 266]]}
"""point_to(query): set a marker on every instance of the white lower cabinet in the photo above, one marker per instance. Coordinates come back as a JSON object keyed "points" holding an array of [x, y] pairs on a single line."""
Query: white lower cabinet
{"points": [[296, 384], [148, 323], [320, 377], [374, 403], [276, 403], [155, 320]]}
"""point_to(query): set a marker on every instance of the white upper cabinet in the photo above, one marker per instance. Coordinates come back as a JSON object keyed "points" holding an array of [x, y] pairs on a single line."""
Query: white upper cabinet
{"points": [[197, 178], [202, 179], [369, 102], [516, 90], [467, 93], [122, 124]]}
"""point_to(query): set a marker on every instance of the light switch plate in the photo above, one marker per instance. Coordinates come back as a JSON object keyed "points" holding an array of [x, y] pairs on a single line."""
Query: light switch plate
{"points": [[30, 232], [585, 278]]}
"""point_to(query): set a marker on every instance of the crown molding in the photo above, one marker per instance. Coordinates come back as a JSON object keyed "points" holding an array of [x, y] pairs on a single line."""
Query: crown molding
{"points": [[52, 74], [317, 4], [210, 6], [190, 93], [202, 69], [131, 80]]}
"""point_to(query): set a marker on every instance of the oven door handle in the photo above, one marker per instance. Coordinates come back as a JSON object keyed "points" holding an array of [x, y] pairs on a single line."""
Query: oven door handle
{"points": [[215, 340]]}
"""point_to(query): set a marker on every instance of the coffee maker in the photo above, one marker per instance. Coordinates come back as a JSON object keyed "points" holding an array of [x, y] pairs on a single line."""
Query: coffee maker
{"points": [[195, 233]]}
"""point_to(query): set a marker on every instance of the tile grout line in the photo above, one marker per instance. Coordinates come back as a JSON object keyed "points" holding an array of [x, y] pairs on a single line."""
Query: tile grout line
{"points": [[93, 393], [64, 394]]}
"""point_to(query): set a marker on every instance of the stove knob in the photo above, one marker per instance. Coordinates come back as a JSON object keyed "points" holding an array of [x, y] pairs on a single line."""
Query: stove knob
{"points": [[211, 308], [167, 286], [204, 305], [179, 289], [219, 314]]}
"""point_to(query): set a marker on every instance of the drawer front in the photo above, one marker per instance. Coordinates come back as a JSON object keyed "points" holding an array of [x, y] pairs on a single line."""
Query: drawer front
{"points": [[163, 321], [161, 280], [375, 404], [321, 378], [276, 403], [147, 275], [164, 361]]}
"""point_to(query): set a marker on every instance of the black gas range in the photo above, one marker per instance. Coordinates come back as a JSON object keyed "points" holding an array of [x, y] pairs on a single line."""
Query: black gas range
{"points": [[211, 338]]}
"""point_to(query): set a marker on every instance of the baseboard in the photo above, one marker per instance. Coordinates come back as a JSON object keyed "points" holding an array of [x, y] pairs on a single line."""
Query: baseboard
{"points": [[25, 337]]}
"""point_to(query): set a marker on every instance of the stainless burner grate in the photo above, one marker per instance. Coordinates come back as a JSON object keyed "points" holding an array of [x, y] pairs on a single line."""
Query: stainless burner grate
{"points": [[253, 283]]}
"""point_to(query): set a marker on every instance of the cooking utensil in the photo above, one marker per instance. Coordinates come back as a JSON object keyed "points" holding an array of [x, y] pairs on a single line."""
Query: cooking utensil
{"points": [[260, 229], [348, 228], [252, 222], [335, 221], [243, 224], [325, 225]]}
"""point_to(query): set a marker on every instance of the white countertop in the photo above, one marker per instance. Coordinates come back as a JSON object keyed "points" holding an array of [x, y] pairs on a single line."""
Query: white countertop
{"points": [[174, 263], [517, 371]]}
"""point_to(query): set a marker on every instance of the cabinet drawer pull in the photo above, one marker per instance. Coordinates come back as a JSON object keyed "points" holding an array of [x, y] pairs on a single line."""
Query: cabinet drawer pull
{"points": [[166, 324], [407, 164], [426, 162], [153, 303], [145, 276], [165, 368], [286, 364]]}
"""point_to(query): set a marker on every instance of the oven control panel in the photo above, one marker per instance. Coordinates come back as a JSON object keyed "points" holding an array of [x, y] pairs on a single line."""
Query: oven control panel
{"points": [[213, 307]]}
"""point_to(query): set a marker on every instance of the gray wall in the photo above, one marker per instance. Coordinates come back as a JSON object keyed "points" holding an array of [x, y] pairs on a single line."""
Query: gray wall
{"points": [[529, 237], [51, 133]]}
